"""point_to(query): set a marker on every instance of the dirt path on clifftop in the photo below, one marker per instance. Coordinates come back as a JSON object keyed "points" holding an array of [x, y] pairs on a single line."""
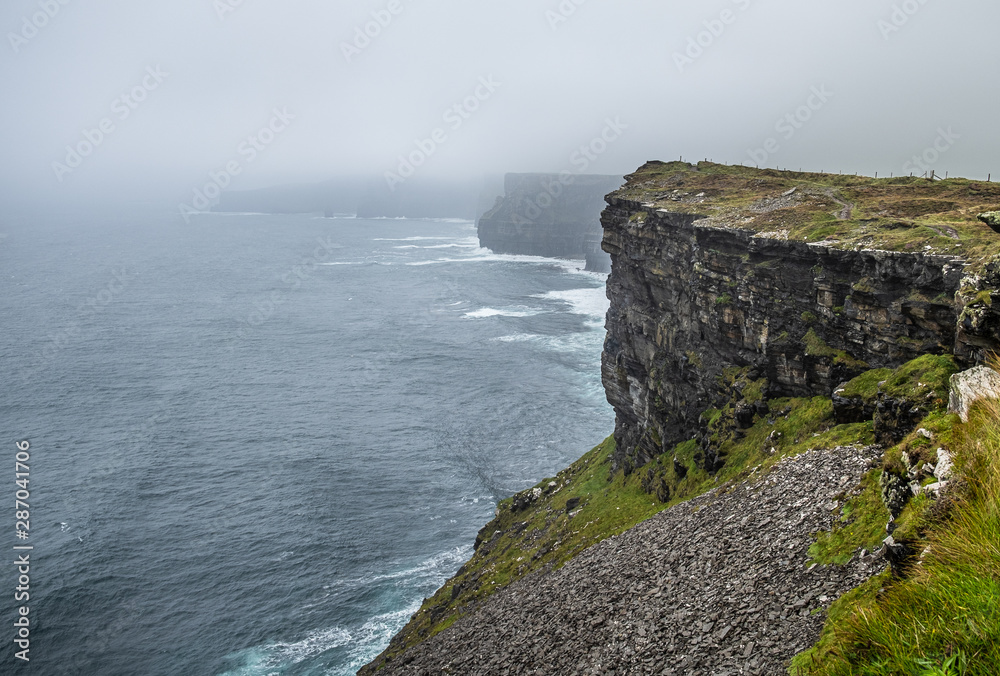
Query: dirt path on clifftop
{"points": [[715, 586], [848, 207]]}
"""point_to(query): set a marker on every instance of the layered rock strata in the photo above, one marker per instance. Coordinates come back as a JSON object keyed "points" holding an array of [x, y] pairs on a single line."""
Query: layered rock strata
{"points": [[690, 299], [718, 585]]}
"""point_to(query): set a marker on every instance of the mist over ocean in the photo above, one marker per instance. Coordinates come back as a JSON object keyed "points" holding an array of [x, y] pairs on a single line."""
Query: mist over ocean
{"points": [[258, 442]]}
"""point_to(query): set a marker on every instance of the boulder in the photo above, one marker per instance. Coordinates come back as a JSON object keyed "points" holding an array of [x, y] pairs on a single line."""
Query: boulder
{"points": [[744, 415], [896, 492], [970, 386], [945, 468], [992, 219], [847, 410], [895, 418]]}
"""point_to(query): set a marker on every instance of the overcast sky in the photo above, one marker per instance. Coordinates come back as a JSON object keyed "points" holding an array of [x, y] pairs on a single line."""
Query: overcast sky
{"points": [[182, 86]]}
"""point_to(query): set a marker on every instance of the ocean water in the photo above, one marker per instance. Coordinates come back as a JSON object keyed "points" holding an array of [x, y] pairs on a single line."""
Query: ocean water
{"points": [[259, 441]]}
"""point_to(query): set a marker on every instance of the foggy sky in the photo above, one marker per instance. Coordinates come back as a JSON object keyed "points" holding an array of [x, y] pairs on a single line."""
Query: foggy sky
{"points": [[886, 80]]}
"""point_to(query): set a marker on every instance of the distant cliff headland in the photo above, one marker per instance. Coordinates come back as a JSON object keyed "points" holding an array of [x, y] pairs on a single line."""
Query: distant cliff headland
{"points": [[804, 476], [552, 215]]}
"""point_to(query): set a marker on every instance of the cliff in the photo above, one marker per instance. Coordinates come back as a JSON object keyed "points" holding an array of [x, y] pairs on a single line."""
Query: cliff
{"points": [[800, 281], [782, 349], [550, 215], [428, 198]]}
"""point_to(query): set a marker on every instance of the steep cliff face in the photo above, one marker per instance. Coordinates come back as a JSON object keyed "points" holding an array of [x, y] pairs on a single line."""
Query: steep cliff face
{"points": [[699, 292], [754, 317], [549, 215]]}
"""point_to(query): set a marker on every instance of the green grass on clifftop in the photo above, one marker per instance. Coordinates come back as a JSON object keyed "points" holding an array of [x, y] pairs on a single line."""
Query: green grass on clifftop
{"points": [[843, 211]]}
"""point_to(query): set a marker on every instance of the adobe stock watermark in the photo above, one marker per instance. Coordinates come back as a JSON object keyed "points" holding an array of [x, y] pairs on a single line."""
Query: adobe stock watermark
{"points": [[789, 124], [899, 17], [704, 40], [31, 26], [248, 150], [365, 34], [224, 7], [926, 160], [454, 117], [581, 160], [121, 109], [562, 13], [265, 308]]}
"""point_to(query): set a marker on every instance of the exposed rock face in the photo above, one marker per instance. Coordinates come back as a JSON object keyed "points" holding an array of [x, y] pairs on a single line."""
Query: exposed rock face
{"points": [[979, 321], [718, 585], [847, 410], [549, 215], [992, 219], [895, 418], [689, 300], [970, 386]]}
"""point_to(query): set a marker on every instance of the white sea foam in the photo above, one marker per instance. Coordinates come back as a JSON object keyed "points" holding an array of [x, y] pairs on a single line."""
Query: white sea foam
{"points": [[236, 213], [413, 239], [592, 302], [441, 565], [572, 343], [518, 338], [263, 660], [467, 243], [492, 312], [481, 255], [363, 643], [416, 220]]}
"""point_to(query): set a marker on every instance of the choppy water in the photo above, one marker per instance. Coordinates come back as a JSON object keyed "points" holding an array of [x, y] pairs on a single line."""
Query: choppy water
{"points": [[257, 442]]}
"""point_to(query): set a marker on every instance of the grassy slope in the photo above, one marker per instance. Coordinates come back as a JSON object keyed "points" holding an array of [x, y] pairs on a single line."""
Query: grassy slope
{"points": [[943, 616], [543, 535], [546, 534], [893, 214]]}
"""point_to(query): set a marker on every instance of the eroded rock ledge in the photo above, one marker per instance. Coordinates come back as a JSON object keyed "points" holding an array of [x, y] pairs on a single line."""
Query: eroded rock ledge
{"points": [[734, 269], [718, 585]]}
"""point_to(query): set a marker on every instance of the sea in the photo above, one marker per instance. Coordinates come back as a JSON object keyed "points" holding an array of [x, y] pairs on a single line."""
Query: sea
{"points": [[255, 443]]}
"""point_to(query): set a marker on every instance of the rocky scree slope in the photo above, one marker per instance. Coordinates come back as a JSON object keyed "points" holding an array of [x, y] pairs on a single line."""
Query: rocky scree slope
{"points": [[717, 585]]}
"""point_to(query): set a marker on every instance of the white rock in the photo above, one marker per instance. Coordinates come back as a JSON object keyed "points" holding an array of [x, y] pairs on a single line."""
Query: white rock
{"points": [[945, 466], [926, 434], [934, 490], [970, 386]]}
